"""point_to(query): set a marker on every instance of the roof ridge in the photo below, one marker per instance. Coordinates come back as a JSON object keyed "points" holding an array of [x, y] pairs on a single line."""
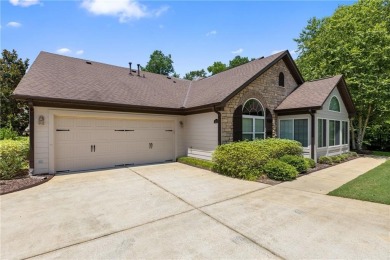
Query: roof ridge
{"points": [[261, 58], [188, 92], [327, 77]]}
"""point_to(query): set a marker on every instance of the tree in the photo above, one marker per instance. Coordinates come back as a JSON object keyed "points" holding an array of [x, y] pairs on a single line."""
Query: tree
{"points": [[237, 61], [217, 67], [355, 42], [13, 113], [160, 63], [195, 74]]}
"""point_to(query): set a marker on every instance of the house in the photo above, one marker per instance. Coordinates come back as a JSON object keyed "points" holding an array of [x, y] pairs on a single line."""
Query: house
{"points": [[88, 115]]}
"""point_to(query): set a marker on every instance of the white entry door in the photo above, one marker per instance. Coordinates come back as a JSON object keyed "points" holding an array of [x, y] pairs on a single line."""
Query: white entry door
{"points": [[92, 143]]}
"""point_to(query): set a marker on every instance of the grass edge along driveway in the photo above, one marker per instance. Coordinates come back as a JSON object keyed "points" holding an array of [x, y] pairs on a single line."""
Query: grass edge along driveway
{"points": [[372, 186]]}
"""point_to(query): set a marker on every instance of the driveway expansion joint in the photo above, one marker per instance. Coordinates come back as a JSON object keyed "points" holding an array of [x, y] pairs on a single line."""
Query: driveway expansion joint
{"points": [[215, 219]]}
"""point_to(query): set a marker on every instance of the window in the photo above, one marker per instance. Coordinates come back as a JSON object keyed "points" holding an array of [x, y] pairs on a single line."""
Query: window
{"points": [[295, 129], [334, 104], [334, 132], [321, 132], [281, 79], [253, 120], [344, 132]]}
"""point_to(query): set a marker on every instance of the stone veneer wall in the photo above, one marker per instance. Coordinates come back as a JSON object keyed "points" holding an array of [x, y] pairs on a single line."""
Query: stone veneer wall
{"points": [[266, 89]]}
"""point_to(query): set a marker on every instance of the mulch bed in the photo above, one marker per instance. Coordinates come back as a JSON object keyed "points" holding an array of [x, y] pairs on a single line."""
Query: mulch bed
{"points": [[264, 178], [23, 182]]}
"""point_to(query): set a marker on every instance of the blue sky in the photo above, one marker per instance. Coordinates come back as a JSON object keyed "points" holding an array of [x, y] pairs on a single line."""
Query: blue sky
{"points": [[195, 33]]}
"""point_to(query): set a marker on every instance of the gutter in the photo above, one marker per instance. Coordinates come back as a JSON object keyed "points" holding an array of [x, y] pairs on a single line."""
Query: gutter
{"points": [[31, 137]]}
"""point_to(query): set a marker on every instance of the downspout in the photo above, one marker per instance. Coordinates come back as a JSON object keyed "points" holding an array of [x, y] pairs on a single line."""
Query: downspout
{"points": [[313, 138], [31, 137], [219, 125]]}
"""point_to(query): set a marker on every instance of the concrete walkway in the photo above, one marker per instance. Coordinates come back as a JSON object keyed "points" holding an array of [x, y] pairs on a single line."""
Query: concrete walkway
{"points": [[174, 211], [329, 179]]}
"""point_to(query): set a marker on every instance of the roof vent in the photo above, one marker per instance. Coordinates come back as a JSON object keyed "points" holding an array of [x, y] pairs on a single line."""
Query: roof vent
{"points": [[88, 62], [130, 69], [262, 57], [174, 81], [168, 77]]}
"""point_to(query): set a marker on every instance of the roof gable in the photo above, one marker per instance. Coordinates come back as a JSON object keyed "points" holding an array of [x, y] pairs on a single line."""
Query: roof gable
{"points": [[313, 94]]}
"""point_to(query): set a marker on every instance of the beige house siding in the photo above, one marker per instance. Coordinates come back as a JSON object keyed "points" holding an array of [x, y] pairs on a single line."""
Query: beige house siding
{"points": [[201, 134], [325, 113], [267, 90]]}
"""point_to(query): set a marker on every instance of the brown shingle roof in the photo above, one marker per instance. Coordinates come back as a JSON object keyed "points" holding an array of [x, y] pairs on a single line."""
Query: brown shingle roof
{"points": [[313, 94], [55, 76], [62, 78]]}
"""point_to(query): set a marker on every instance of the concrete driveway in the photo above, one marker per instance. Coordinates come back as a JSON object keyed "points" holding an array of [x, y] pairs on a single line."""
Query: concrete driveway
{"points": [[177, 211]]}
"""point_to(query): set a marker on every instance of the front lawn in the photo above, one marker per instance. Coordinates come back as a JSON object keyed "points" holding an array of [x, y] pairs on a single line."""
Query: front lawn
{"points": [[381, 153], [372, 186]]}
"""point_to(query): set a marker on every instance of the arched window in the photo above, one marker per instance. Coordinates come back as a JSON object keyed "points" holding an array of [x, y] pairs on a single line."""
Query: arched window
{"points": [[253, 126], [281, 79], [334, 104]]}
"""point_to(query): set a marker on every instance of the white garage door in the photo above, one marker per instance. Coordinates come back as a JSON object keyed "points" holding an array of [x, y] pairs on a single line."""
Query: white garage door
{"points": [[92, 143]]}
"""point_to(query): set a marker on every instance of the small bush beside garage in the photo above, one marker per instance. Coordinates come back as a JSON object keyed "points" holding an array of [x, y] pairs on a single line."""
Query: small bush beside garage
{"points": [[14, 158], [246, 160]]}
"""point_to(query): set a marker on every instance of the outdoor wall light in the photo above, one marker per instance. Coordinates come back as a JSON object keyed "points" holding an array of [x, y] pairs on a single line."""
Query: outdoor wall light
{"points": [[215, 121], [181, 124], [41, 120]]}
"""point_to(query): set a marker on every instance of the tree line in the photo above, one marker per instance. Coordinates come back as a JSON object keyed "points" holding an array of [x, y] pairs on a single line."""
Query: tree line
{"points": [[163, 64]]}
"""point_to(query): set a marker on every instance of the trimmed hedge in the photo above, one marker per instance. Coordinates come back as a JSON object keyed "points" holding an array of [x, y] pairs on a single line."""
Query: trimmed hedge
{"points": [[336, 158], [246, 159], [310, 163], [200, 163], [14, 156], [298, 162], [279, 170]]}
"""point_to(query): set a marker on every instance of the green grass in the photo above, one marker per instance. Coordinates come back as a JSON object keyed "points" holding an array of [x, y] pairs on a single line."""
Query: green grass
{"points": [[204, 164], [372, 186], [381, 153]]}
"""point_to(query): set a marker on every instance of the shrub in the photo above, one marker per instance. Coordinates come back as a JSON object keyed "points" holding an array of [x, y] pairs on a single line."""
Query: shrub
{"points": [[336, 159], [310, 163], [13, 154], [298, 162], [279, 170], [242, 160], [277, 148], [246, 159], [344, 157], [325, 160], [8, 133], [352, 154], [204, 164]]}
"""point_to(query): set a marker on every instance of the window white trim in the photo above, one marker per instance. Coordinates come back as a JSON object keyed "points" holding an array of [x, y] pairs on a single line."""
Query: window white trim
{"points": [[330, 101], [262, 107], [293, 119], [253, 133], [340, 133], [326, 133]]}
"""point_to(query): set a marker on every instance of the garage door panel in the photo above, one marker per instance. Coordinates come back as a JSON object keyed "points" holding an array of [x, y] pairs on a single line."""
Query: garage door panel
{"points": [[114, 141]]}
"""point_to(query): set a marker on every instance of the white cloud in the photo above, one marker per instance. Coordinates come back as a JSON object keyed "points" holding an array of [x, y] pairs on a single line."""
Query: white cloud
{"points": [[276, 51], [213, 32], [24, 3], [123, 9], [239, 51], [64, 51], [14, 24], [80, 52], [160, 11]]}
